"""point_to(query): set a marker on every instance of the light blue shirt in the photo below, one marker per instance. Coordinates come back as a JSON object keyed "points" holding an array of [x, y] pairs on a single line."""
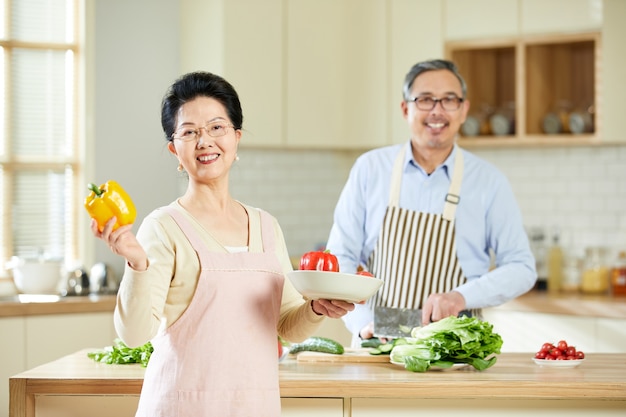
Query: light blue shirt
{"points": [[487, 219]]}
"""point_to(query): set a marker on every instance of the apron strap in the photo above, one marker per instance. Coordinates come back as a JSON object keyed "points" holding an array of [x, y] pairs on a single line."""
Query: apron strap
{"points": [[267, 232], [454, 193], [185, 225]]}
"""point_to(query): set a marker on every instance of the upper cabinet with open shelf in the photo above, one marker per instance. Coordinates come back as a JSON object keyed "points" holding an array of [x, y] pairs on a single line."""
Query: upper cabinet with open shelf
{"points": [[338, 86], [532, 90], [549, 81]]}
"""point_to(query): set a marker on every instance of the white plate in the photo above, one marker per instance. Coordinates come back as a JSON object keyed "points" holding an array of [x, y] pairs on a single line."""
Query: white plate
{"points": [[334, 285], [437, 368], [558, 364]]}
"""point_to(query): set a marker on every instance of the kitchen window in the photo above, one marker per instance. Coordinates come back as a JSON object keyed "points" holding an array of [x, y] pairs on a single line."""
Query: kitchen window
{"points": [[40, 135]]}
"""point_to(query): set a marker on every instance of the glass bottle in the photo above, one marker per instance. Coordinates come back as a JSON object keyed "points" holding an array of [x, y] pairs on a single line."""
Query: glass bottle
{"points": [[538, 247], [618, 275], [555, 265], [572, 271], [595, 278]]}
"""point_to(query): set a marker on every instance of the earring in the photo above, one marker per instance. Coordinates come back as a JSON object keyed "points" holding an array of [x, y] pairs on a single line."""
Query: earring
{"points": [[180, 168], [236, 157]]}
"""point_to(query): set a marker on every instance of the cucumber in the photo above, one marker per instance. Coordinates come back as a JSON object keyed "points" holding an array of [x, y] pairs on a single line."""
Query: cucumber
{"points": [[385, 348], [318, 344]]}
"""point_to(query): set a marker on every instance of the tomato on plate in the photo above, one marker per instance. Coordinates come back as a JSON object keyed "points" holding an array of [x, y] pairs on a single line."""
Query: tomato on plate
{"points": [[561, 351], [365, 273], [319, 261]]}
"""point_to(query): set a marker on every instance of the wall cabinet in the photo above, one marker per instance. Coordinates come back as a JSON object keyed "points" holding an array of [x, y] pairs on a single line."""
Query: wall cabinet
{"points": [[306, 85], [531, 90], [509, 18], [336, 72], [555, 82], [336, 85], [558, 16], [243, 42], [466, 19]]}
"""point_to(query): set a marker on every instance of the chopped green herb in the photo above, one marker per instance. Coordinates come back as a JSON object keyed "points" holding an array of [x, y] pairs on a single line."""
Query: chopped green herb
{"points": [[119, 353]]}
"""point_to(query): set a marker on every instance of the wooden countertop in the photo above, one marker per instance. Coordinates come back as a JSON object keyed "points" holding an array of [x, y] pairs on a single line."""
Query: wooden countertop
{"points": [[572, 304], [58, 305], [515, 375]]}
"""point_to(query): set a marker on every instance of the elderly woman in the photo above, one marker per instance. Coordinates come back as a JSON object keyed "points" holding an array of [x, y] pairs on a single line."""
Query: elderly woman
{"points": [[205, 275]]}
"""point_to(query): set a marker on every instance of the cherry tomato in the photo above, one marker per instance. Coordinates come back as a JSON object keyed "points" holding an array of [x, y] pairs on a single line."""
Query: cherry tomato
{"points": [[365, 273], [561, 351]]}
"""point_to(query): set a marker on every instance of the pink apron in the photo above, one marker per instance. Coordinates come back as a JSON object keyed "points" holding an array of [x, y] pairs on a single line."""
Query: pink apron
{"points": [[219, 358]]}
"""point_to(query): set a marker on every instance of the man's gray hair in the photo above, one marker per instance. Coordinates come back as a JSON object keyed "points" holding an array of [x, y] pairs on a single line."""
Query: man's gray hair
{"points": [[434, 64]]}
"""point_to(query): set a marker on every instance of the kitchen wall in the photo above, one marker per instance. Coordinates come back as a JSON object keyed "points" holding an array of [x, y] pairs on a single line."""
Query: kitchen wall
{"points": [[134, 51], [580, 190]]}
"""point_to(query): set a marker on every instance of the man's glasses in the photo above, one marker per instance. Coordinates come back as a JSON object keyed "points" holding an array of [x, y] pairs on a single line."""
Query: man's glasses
{"points": [[189, 134], [427, 103]]}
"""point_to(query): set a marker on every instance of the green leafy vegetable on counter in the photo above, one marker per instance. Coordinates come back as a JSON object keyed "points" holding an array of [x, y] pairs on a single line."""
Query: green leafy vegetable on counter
{"points": [[377, 347], [120, 353], [447, 342]]}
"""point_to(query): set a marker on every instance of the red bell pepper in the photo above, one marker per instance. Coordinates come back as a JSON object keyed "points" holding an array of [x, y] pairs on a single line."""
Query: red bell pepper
{"points": [[319, 261]]}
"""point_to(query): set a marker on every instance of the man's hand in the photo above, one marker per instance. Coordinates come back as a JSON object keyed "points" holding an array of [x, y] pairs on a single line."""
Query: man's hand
{"points": [[367, 332], [442, 305]]}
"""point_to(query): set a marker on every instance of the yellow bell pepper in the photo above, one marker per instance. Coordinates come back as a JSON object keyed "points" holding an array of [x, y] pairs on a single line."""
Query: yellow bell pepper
{"points": [[107, 201]]}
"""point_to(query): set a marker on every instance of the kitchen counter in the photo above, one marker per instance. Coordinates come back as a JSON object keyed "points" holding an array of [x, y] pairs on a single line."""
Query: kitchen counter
{"points": [[598, 384], [33, 305], [573, 304]]}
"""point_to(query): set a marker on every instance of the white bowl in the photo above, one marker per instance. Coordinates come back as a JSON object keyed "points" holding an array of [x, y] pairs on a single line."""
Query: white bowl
{"points": [[334, 285], [36, 276]]}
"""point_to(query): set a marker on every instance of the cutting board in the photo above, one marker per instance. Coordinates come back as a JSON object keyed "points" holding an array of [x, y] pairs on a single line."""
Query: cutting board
{"points": [[350, 355]]}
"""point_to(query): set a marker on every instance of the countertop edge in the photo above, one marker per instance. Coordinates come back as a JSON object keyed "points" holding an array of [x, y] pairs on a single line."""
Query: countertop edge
{"points": [[517, 378], [66, 305]]}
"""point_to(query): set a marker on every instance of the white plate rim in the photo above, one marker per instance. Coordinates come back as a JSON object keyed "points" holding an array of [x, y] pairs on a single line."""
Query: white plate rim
{"points": [[571, 363], [314, 295]]}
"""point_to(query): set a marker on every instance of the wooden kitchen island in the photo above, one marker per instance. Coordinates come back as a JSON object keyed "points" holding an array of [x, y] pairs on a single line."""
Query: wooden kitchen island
{"points": [[76, 386]]}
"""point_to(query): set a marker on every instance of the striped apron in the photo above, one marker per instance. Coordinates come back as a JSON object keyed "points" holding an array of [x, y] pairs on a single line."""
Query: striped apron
{"points": [[415, 254]]}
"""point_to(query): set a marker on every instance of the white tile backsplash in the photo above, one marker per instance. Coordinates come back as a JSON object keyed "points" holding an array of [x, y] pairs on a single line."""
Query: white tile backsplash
{"points": [[579, 190]]}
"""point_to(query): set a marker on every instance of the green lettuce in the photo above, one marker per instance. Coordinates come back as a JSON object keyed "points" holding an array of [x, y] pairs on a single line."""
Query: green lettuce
{"points": [[119, 353], [447, 342]]}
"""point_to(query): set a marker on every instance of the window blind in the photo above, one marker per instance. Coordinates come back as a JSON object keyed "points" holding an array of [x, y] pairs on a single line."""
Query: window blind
{"points": [[39, 158]]}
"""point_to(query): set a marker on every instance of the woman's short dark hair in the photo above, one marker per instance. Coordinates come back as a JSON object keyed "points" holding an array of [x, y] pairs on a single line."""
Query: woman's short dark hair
{"points": [[197, 84]]}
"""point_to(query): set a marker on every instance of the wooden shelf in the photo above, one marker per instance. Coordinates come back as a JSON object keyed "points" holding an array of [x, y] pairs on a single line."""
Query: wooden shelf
{"points": [[526, 79]]}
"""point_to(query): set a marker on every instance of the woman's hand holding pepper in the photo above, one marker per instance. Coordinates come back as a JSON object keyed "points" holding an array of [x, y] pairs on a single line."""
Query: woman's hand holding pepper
{"points": [[122, 242]]}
